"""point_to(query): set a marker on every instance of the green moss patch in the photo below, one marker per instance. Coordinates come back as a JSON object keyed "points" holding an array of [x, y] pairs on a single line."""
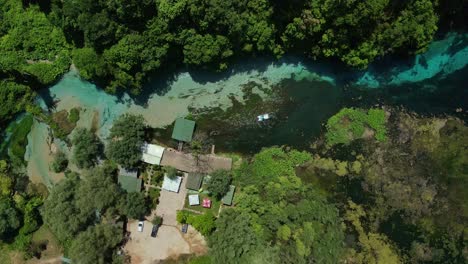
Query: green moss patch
{"points": [[350, 124]]}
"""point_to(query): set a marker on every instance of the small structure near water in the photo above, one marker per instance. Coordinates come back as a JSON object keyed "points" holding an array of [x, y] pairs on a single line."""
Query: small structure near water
{"points": [[152, 153], [183, 130]]}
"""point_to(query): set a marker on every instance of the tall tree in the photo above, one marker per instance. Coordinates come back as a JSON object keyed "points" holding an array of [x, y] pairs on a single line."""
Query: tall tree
{"points": [[126, 139], [61, 211], [86, 148], [9, 217], [219, 182], [96, 244]]}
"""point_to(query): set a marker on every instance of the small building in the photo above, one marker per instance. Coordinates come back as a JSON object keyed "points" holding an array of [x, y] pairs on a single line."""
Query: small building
{"points": [[172, 185], [183, 130], [194, 181], [129, 173], [229, 196], [152, 153], [130, 183], [194, 199]]}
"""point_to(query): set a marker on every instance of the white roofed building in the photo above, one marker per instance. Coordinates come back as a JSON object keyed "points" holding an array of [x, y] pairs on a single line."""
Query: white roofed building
{"points": [[152, 153], [172, 185]]}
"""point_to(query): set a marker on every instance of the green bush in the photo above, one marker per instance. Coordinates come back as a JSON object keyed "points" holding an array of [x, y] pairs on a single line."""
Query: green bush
{"points": [[182, 216], [157, 220], [74, 115], [19, 138], [205, 223], [350, 124], [60, 162], [219, 182]]}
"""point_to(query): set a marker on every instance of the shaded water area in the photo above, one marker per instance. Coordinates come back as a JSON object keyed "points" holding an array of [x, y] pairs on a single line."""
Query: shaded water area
{"points": [[300, 96]]}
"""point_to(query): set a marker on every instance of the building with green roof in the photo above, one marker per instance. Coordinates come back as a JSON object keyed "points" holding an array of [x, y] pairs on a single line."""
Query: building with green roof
{"points": [[194, 181], [183, 130], [229, 196], [129, 183]]}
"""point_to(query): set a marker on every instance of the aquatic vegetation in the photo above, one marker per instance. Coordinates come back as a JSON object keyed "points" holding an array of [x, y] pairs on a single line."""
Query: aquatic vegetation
{"points": [[350, 124], [18, 139], [60, 162], [63, 122]]}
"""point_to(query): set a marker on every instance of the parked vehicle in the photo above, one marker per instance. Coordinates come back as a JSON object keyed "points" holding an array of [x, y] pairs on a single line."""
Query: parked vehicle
{"points": [[140, 226], [184, 228], [154, 231]]}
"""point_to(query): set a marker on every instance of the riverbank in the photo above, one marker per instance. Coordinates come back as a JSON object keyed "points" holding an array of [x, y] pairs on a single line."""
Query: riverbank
{"points": [[300, 96]]}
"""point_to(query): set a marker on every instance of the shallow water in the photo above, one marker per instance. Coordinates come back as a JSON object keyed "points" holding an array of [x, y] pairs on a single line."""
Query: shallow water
{"points": [[301, 96]]}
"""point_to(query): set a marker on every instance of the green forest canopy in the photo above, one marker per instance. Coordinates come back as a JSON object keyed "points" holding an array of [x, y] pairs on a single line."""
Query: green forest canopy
{"points": [[119, 43]]}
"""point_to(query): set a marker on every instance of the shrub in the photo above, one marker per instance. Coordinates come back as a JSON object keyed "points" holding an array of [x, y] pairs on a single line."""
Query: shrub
{"points": [[157, 220], [350, 124], [60, 162], [87, 148], [74, 115], [205, 223], [182, 216], [171, 172], [219, 182]]}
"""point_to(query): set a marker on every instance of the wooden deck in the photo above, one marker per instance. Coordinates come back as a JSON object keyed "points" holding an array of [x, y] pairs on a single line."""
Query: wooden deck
{"points": [[188, 163]]}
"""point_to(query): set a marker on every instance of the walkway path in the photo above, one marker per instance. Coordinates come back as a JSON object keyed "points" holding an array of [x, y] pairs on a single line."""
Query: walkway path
{"points": [[187, 162]]}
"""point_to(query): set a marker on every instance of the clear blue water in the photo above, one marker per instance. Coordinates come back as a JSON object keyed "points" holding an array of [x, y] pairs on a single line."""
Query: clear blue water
{"points": [[301, 95]]}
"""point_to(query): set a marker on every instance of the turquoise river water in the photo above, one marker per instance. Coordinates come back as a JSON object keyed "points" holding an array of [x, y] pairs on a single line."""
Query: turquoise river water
{"points": [[299, 95]]}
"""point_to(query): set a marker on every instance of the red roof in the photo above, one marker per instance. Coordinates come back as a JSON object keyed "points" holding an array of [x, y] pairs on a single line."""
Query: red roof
{"points": [[206, 203]]}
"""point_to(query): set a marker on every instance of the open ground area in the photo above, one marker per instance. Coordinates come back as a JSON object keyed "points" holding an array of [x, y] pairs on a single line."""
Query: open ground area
{"points": [[169, 242]]}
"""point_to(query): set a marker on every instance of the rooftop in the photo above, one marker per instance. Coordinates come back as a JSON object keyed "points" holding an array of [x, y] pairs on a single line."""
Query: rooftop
{"points": [[183, 129], [194, 181], [129, 183], [130, 173], [152, 153], [229, 196], [194, 199], [172, 185]]}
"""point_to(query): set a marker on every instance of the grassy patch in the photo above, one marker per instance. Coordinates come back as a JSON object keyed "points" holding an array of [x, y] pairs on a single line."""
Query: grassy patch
{"points": [[215, 204], [44, 238]]}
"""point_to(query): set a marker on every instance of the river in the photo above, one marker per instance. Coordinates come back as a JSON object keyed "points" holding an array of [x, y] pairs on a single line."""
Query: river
{"points": [[299, 95]]}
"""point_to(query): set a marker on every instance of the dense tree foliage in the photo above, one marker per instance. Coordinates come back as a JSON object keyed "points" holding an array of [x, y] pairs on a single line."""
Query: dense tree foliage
{"points": [[13, 98], [60, 162], [402, 190], [61, 211], [9, 217], [86, 148], [234, 238], [219, 182], [96, 244], [120, 42], [82, 213], [278, 211], [126, 139], [134, 205]]}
